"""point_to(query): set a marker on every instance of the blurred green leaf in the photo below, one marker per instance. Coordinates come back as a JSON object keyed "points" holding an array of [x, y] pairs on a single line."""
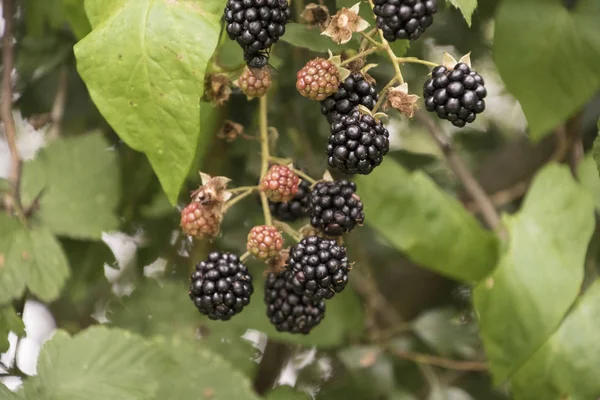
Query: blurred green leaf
{"points": [[9, 321], [449, 393], [412, 160], [148, 88], [539, 273], [98, 363], [30, 258], [428, 225], [43, 16], [75, 14], [596, 149], [533, 65], [286, 393], [301, 35], [466, 7], [6, 394], [441, 330], [196, 373], [401, 395], [566, 366], [587, 172], [370, 360], [77, 179]]}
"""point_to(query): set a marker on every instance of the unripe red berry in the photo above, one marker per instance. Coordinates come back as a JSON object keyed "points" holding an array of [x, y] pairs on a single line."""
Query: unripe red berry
{"points": [[318, 79], [264, 242], [254, 82], [200, 222], [280, 183]]}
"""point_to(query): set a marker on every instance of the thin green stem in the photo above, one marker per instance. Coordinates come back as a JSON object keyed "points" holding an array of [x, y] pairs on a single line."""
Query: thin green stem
{"points": [[390, 53], [285, 161], [242, 189], [245, 256], [237, 198], [372, 41], [359, 55], [383, 95], [264, 154], [294, 234], [415, 60]]}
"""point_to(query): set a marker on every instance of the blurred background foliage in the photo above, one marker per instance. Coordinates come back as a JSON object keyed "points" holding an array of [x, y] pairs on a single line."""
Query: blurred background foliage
{"points": [[400, 331]]}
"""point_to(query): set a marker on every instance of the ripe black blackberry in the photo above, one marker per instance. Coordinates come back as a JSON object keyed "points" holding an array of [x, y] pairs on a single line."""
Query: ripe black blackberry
{"points": [[404, 19], [256, 25], [354, 91], [221, 286], [288, 311], [335, 208], [318, 268], [357, 144], [455, 94], [294, 209]]}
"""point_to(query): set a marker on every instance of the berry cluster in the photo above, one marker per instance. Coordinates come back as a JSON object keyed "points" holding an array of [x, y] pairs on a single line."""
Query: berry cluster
{"points": [[256, 25], [354, 91], [404, 19], [455, 94]]}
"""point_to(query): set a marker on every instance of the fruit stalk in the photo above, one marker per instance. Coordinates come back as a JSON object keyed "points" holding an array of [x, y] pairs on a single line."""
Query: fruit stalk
{"points": [[264, 153]]}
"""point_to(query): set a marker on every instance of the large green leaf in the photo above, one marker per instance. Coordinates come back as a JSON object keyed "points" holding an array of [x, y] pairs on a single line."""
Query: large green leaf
{"points": [[596, 149], [9, 321], [587, 172], [567, 365], [539, 272], [301, 35], [98, 363], [533, 65], [77, 180], [30, 258], [197, 373], [431, 227], [148, 87], [466, 7]]}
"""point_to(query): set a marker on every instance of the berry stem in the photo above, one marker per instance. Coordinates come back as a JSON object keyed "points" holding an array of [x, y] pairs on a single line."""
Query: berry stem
{"points": [[362, 54], [237, 198], [372, 41], [294, 234], [10, 129], [242, 189], [245, 256], [415, 60], [383, 95], [285, 161], [441, 362], [264, 154], [390, 52]]}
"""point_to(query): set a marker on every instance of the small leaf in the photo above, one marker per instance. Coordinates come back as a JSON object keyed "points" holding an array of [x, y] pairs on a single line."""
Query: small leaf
{"points": [[539, 272], [419, 219], [301, 35], [149, 86], [30, 258], [566, 366], [9, 322], [466, 7], [98, 363], [533, 66], [77, 180]]}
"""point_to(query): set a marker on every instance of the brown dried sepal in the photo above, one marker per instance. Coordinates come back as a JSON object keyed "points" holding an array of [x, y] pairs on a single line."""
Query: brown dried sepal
{"points": [[213, 192], [344, 23], [217, 89], [278, 264], [399, 99], [316, 15], [230, 131]]}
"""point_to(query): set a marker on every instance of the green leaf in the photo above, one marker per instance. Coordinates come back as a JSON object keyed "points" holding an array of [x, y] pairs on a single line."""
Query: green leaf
{"points": [[587, 172], [567, 365], [539, 272], [286, 393], [533, 65], [75, 14], [30, 258], [596, 149], [149, 86], [466, 7], [78, 181], [301, 35], [42, 16], [197, 373], [432, 228], [98, 363], [9, 321]]}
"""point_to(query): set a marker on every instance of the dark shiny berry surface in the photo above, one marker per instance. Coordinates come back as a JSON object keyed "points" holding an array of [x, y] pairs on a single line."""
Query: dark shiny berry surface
{"points": [[318, 268], [295, 209], [456, 95], [288, 311], [354, 91], [256, 25], [221, 286], [404, 19], [335, 208], [357, 144]]}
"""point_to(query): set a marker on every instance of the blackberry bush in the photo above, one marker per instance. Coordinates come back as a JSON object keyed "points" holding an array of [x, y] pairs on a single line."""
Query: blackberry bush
{"points": [[354, 91], [456, 95], [357, 144], [256, 25], [404, 19], [221, 286], [318, 268], [335, 208], [288, 311], [294, 209]]}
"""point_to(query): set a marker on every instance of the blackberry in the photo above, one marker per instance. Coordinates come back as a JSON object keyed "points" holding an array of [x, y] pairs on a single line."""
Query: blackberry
{"points": [[357, 144], [200, 222], [288, 311], [280, 183], [335, 208], [318, 268], [256, 25], [318, 79], [221, 286], [404, 19], [294, 209], [264, 242], [455, 94], [354, 91]]}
